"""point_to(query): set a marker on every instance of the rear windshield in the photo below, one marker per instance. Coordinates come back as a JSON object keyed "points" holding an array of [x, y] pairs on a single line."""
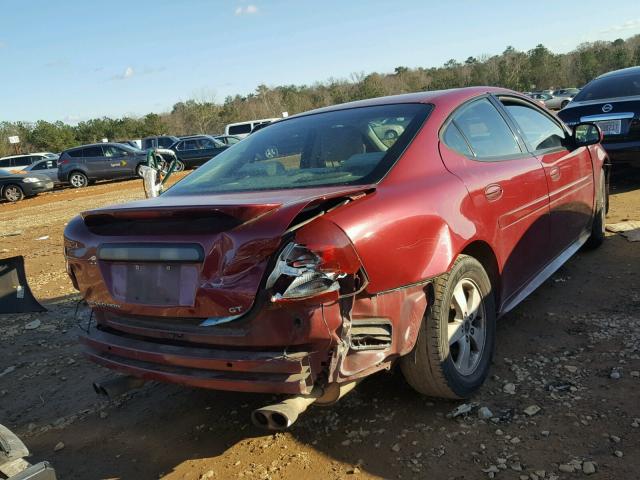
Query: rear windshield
{"points": [[610, 87], [344, 147]]}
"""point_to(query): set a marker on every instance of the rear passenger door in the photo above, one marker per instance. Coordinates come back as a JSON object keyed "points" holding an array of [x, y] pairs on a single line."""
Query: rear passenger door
{"points": [[94, 161], [507, 189], [569, 173]]}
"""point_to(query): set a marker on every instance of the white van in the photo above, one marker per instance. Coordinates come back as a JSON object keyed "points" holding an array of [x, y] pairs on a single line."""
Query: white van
{"points": [[242, 129]]}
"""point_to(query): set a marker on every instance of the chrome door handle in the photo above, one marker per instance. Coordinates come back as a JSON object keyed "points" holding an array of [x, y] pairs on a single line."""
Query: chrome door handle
{"points": [[493, 192], [554, 173]]}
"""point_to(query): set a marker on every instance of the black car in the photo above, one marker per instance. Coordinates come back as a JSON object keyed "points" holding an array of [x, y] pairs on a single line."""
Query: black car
{"points": [[612, 101], [101, 161], [195, 150], [16, 186]]}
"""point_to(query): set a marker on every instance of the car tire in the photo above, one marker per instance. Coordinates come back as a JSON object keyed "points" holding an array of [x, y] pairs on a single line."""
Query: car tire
{"points": [[179, 166], [78, 179], [564, 104], [12, 193], [599, 220], [455, 345]]}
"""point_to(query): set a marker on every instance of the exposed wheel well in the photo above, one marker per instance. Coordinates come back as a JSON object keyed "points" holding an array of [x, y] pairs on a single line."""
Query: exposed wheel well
{"points": [[482, 252]]}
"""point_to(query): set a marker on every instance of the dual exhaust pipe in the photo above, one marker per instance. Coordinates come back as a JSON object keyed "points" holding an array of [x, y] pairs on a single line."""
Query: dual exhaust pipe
{"points": [[278, 416], [282, 415]]}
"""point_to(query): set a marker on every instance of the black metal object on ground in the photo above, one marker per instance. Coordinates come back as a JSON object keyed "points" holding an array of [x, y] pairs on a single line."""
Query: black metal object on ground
{"points": [[15, 294]]}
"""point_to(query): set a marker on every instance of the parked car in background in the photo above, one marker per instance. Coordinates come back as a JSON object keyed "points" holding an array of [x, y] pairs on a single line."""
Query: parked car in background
{"points": [[132, 143], [303, 273], [194, 150], [612, 101], [228, 139], [16, 186], [160, 141], [101, 161], [15, 163], [47, 167], [561, 98], [541, 98], [242, 129]]}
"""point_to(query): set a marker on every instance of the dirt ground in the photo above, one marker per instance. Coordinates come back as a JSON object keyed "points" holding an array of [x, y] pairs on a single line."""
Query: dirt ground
{"points": [[571, 352]]}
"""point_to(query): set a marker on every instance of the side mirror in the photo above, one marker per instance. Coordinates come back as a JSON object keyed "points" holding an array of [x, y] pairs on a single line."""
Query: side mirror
{"points": [[586, 133]]}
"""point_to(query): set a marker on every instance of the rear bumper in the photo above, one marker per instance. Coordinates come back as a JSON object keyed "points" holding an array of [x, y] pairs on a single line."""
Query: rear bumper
{"points": [[219, 368]]}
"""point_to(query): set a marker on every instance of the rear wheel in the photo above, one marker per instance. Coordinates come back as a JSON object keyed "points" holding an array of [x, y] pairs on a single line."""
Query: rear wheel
{"points": [[599, 220], [455, 345], [12, 193], [78, 180], [564, 104]]}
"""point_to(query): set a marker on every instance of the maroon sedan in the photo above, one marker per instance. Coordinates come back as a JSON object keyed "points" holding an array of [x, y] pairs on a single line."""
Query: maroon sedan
{"points": [[337, 243]]}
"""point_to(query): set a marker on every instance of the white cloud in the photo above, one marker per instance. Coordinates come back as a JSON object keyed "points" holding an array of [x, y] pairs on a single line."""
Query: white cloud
{"points": [[628, 25], [248, 10], [128, 73]]}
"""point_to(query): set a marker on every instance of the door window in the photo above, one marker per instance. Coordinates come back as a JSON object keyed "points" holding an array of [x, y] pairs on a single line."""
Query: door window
{"points": [[92, 152], [539, 131], [111, 151], [486, 131], [43, 165], [21, 161]]}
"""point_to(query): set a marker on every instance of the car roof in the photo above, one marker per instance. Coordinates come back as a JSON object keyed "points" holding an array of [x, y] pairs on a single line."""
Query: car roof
{"points": [[25, 155], [433, 97], [621, 72]]}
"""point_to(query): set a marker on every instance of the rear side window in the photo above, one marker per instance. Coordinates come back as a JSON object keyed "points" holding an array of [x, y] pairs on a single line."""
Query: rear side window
{"points": [[454, 140], [75, 153], [5, 163], [486, 130], [92, 152], [539, 131], [610, 87], [240, 129], [21, 161]]}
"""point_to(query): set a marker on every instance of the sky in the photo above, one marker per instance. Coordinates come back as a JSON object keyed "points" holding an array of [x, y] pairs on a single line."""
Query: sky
{"points": [[72, 60]]}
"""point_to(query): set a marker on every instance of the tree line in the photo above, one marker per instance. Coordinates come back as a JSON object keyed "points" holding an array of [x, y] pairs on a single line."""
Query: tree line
{"points": [[536, 69]]}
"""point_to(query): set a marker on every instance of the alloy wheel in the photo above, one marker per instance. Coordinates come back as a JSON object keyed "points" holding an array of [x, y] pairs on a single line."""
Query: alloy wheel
{"points": [[466, 329], [13, 193], [78, 180]]}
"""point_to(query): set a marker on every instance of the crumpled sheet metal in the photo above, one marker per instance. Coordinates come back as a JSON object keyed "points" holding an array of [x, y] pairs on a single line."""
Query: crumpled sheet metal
{"points": [[630, 229]]}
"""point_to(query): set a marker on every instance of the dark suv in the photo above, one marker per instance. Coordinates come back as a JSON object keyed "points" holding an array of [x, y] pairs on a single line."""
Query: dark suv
{"points": [[195, 150], [612, 101], [101, 161]]}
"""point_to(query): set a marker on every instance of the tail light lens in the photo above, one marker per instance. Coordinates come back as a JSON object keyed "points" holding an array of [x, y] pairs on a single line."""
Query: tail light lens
{"points": [[63, 161], [319, 264]]}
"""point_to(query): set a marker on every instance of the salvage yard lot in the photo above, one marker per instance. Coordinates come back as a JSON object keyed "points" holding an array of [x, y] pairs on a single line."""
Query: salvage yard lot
{"points": [[557, 351]]}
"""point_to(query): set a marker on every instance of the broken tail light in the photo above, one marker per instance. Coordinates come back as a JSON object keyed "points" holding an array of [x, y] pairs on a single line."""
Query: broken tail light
{"points": [[319, 264]]}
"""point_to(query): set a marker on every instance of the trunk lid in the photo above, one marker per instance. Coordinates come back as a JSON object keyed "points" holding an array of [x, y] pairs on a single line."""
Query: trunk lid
{"points": [[618, 117], [191, 256]]}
